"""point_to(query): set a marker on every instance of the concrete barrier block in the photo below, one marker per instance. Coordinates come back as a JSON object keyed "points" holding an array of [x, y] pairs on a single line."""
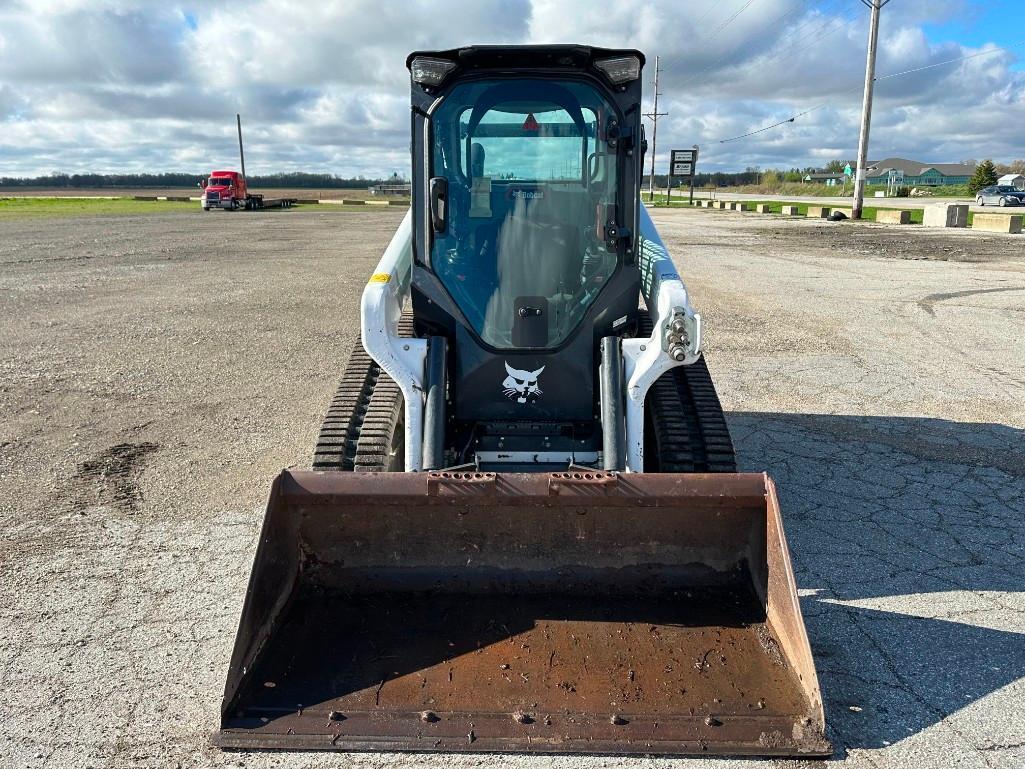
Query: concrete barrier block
{"points": [[307, 201], [998, 223], [722, 204], [819, 212], [709, 204], [946, 216], [790, 211], [351, 202], [893, 216], [763, 208], [145, 197]]}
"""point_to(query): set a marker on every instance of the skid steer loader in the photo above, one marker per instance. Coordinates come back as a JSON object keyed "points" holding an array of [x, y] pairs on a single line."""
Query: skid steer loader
{"points": [[524, 529]]}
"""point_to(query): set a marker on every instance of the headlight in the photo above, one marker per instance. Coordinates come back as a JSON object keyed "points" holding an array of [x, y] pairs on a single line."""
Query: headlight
{"points": [[427, 71], [621, 69]]}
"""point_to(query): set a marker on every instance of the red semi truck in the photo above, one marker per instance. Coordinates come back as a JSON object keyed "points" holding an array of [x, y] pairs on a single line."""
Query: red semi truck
{"points": [[228, 190]]}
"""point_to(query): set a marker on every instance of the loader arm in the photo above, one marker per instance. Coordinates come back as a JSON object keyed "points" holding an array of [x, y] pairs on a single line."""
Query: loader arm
{"points": [[401, 357], [675, 339]]}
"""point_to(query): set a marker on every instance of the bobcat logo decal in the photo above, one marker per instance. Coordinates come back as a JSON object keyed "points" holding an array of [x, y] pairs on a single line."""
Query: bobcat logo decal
{"points": [[521, 386]]}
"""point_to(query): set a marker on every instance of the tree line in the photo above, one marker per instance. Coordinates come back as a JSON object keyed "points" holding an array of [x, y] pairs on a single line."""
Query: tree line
{"points": [[296, 179]]}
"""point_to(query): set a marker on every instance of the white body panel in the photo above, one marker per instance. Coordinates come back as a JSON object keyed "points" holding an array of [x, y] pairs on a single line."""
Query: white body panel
{"points": [[645, 360], [401, 358]]}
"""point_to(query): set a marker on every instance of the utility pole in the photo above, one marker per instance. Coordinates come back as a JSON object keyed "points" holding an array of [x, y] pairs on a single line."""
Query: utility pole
{"points": [[654, 115], [241, 154], [866, 107]]}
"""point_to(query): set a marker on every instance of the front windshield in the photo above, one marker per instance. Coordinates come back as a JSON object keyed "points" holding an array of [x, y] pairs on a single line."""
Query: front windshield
{"points": [[532, 182], [219, 181]]}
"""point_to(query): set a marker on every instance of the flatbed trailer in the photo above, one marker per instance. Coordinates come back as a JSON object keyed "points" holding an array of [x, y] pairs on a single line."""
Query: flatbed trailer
{"points": [[256, 202]]}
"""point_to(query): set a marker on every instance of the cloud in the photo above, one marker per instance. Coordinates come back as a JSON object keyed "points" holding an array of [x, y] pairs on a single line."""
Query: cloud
{"points": [[121, 85]]}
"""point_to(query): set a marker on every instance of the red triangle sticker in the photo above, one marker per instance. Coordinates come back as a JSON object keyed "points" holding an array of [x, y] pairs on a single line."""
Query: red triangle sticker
{"points": [[530, 124]]}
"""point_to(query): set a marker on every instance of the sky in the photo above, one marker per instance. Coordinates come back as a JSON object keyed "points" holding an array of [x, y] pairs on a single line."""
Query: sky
{"points": [[113, 86]]}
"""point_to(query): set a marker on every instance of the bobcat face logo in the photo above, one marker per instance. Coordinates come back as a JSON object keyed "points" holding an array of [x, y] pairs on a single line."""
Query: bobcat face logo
{"points": [[521, 386]]}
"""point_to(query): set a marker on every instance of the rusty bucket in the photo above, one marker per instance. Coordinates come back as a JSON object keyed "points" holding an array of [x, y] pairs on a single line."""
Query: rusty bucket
{"points": [[567, 612]]}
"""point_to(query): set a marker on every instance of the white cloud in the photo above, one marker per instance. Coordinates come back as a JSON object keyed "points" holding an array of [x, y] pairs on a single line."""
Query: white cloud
{"points": [[111, 85]]}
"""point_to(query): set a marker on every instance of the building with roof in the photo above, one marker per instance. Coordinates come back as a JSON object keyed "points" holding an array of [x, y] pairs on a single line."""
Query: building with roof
{"points": [[914, 173], [1013, 180], [396, 185], [829, 179]]}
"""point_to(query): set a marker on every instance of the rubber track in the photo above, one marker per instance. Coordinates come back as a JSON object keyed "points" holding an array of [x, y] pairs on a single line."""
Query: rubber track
{"points": [[690, 430], [366, 406]]}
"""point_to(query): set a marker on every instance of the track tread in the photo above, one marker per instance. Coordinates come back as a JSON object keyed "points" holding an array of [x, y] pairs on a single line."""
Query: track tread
{"points": [[360, 423], [688, 428]]}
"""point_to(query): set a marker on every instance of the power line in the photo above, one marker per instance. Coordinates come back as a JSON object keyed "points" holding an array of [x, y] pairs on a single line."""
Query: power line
{"points": [[706, 14], [1002, 49], [731, 19], [817, 15], [733, 50], [796, 43], [952, 61]]}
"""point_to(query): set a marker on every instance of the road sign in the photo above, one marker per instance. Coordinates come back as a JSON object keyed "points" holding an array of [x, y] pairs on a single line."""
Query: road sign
{"points": [[847, 170], [682, 165]]}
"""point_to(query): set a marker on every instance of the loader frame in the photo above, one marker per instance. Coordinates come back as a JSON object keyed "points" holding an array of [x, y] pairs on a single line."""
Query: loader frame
{"points": [[520, 601]]}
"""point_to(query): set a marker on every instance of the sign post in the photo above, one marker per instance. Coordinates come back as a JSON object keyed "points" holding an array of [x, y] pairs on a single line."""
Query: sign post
{"points": [[682, 165]]}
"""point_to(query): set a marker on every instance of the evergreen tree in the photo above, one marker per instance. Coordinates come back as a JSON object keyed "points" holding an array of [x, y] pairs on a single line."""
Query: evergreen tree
{"points": [[985, 175]]}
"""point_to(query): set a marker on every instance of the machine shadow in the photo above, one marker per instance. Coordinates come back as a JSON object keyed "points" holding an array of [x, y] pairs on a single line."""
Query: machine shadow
{"points": [[899, 529]]}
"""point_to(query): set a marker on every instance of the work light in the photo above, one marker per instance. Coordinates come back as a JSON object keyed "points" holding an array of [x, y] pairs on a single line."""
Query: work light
{"points": [[620, 69], [427, 71]]}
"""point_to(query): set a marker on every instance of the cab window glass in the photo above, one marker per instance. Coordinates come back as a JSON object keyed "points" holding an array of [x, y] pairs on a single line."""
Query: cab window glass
{"points": [[531, 182]]}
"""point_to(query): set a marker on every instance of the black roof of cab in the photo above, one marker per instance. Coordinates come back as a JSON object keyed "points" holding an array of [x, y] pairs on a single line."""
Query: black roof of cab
{"points": [[548, 57]]}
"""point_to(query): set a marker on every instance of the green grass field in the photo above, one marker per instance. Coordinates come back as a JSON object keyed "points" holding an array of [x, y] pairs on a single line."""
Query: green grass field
{"points": [[18, 208], [44, 207]]}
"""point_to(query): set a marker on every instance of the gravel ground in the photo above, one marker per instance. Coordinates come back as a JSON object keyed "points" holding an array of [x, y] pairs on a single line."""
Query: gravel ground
{"points": [[157, 371]]}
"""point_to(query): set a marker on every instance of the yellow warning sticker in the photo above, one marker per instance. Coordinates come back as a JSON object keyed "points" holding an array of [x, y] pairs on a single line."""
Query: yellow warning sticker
{"points": [[380, 277]]}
